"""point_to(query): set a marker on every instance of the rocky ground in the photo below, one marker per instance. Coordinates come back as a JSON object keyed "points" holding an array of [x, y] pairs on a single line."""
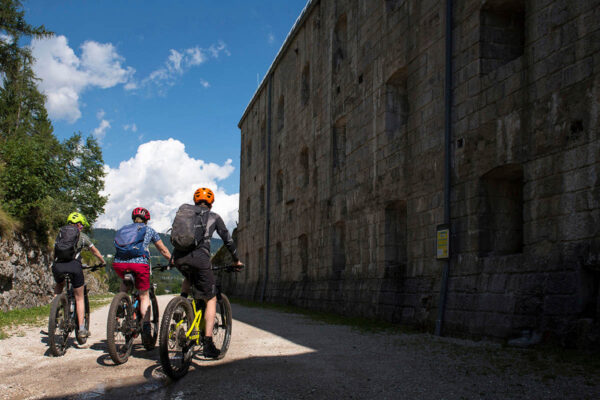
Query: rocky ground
{"points": [[276, 355]]}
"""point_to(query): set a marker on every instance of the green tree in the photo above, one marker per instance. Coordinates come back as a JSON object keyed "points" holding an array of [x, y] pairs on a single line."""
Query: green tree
{"points": [[41, 179], [21, 103], [84, 175]]}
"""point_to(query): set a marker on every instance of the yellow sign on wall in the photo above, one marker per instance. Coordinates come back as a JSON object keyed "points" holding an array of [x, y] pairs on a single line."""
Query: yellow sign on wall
{"points": [[443, 242]]}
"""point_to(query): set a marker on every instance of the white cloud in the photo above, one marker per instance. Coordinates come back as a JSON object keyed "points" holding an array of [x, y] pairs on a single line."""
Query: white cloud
{"points": [[271, 38], [130, 127], [64, 75], [176, 64], [174, 61], [204, 83], [161, 177], [100, 114], [100, 131]]}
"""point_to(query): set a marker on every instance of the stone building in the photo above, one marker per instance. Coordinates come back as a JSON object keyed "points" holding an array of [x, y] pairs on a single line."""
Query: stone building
{"points": [[343, 166]]}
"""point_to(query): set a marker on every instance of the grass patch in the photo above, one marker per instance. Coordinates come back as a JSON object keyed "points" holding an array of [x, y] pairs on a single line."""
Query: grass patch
{"points": [[359, 323], [38, 316], [7, 223]]}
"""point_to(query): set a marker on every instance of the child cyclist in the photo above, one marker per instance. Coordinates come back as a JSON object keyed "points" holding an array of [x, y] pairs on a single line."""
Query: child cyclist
{"points": [[138, 261]]}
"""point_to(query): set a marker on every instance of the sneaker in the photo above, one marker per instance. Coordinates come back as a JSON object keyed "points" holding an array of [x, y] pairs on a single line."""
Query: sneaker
{"points": [[82, 335], [210, 351]]}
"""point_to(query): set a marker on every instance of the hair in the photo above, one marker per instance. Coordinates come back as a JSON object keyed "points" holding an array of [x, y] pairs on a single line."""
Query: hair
{"points": [[206, 203]]}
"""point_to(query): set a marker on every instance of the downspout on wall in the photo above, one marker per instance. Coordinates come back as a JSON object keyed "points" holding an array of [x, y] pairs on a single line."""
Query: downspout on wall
{"points": [[268, 193], [447, 164]]}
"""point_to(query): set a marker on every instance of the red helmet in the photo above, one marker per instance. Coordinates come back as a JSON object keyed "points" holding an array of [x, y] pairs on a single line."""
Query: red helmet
{"points": [[140, 212]]}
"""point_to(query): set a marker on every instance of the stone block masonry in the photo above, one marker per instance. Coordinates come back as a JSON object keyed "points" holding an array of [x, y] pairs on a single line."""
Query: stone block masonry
{"points": [[343, 165]]}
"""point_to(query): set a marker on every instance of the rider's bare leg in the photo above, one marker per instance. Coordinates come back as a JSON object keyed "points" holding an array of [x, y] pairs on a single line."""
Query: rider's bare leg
{"points": [[80, 303], [209, 316]]}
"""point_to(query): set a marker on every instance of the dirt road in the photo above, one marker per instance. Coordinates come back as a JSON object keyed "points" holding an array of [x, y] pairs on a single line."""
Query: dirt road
{"points": [[275, 355]]}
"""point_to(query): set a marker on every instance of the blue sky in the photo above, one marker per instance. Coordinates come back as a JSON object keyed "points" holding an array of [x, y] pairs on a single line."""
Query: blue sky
{"points": [[138, 73]]}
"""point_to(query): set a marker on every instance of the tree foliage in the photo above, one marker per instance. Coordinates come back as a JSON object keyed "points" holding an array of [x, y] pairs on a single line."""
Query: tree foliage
{"points": [[41, 179]]}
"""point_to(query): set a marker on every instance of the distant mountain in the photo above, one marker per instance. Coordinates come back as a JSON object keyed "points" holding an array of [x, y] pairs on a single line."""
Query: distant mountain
{"points": [[104, 241]]}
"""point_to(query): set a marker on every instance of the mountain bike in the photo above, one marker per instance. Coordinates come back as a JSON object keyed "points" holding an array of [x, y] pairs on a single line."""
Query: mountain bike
{"points": [[182, 329], [63, 316], [125, 323]]}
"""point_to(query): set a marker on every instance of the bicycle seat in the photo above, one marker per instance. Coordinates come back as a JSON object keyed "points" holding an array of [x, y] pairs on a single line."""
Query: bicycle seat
{"points": [[128, 277]]}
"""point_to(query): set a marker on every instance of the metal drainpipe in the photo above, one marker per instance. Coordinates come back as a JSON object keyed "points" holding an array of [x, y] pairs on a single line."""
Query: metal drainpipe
{"points": [[447, 163], [268, 190]]}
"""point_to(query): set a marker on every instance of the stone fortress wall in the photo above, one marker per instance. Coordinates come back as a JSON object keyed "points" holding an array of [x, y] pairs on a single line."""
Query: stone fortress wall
{"points": [[343, 161]]}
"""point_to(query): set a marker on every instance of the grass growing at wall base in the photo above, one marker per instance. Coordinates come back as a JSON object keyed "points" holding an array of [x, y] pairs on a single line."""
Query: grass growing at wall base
{"points": [[360, 323], [38, 316]]}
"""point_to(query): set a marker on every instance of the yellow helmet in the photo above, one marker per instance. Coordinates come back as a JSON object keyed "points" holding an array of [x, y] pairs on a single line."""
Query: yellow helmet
{"points": [[76, 217]]}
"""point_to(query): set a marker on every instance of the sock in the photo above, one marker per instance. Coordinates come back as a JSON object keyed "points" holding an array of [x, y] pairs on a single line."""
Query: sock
{"points": [[81, 327]]}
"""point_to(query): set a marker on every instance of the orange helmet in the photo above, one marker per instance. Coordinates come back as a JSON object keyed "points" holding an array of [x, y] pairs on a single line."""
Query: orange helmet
{"points": [[204, 194]]}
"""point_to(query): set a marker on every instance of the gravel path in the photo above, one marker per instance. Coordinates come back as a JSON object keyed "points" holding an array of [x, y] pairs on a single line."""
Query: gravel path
{"points": [[275, 355]]}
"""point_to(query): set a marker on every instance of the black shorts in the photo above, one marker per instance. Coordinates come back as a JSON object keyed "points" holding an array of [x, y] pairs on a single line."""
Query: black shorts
{"points": [[70, 267], [196, 268]]}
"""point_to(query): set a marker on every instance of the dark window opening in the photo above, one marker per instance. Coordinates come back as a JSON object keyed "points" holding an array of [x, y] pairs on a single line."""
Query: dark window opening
{"points": [[338, 247], [303, 247], [339, 144], [502, 33], [279, 186], [248, 209], [249, 153], [501, 215], [262, 200], [305, 88], [304, 176], [263, 137], [280, 114], [395, 235], [396, 106], [340, 39], [278, 261], [392, 5]]}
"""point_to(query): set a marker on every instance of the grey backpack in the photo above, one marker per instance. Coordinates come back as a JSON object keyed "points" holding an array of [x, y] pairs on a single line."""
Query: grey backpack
{"points": [[189, 227]]}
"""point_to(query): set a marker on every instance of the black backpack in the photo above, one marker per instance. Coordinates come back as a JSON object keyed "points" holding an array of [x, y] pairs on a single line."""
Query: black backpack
{"points": [[189, 227], [66, 243]]}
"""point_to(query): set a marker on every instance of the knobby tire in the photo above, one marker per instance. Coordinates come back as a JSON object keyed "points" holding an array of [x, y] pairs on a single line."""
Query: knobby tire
{"points": [[222, 327], [58, 331], [119, 323], [173, 346], [154, 321]]}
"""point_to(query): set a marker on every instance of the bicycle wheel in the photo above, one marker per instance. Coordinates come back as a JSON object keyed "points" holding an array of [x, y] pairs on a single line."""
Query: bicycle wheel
{"points": [[58, 326], [174, 348], [119, 332], [150, 343], [86, 320], [222, 327]]}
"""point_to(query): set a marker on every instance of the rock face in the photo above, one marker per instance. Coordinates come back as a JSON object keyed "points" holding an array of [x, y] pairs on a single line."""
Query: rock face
{"points": [[343, 166], [25, 274]]}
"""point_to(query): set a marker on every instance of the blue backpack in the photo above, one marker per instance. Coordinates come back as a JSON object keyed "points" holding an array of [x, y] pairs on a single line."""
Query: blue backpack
{"points": [[129, 241]]}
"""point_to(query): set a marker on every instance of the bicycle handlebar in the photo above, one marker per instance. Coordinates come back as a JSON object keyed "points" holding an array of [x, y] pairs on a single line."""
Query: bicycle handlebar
{"points": [[93, 267], [229, 268]]}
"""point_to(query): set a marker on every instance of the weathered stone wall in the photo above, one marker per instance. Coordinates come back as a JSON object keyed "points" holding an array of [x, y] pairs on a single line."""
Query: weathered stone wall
{"points": [[357, 165], [25, 274]]}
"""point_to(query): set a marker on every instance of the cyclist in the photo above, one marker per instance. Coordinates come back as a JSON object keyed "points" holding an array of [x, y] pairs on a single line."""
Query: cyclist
{"points": [[73, 266], [140, 265], [198, 261]]}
